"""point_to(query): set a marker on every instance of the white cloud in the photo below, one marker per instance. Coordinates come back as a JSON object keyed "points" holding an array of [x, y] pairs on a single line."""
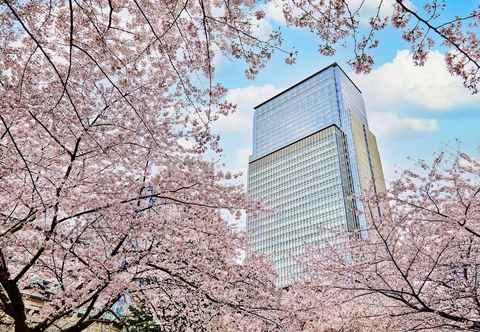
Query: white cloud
{"points": [[245, 99], [262, 29], [242, 162], [399, 84], [369, 8], [388, 124], [366, 9], [242, 157], [273, 11]]}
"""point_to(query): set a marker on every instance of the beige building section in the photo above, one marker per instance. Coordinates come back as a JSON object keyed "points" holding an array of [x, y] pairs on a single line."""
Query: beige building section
{"points": [[376, 162], [368, 158]]}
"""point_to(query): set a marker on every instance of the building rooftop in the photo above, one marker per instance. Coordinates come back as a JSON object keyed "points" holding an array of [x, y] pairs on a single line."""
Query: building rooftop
{"points": [[306, 79]]}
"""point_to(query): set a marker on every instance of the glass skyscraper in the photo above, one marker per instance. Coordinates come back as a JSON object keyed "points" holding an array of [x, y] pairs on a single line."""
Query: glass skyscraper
{"points": [[312, 152]]}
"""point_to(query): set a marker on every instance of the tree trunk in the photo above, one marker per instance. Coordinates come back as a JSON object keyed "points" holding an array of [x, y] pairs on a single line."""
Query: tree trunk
{"points": [[21, 326]]}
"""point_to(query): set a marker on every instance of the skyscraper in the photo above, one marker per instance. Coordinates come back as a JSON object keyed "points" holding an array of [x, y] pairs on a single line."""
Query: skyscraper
{"points": [[312, 152]]}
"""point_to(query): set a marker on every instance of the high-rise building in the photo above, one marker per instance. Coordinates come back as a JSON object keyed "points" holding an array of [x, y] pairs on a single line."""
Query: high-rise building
{"points": [[312, 152]]}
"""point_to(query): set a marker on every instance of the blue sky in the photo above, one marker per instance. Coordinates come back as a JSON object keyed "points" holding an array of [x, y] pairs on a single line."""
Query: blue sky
{"points": [[414, 111]]}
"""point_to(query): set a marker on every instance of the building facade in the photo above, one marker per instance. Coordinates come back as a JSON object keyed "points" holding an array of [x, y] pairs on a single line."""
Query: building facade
{"points": [[312, 152]]}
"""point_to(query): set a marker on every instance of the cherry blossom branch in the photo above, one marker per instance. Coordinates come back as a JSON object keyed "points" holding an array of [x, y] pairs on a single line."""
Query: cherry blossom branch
{"points": [[20, 154], [47, 57], [438, 32]]}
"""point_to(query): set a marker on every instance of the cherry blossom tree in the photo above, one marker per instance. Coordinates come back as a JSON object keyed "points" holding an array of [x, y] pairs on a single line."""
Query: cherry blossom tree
{"points": [[419, 267], [108, 179]]}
